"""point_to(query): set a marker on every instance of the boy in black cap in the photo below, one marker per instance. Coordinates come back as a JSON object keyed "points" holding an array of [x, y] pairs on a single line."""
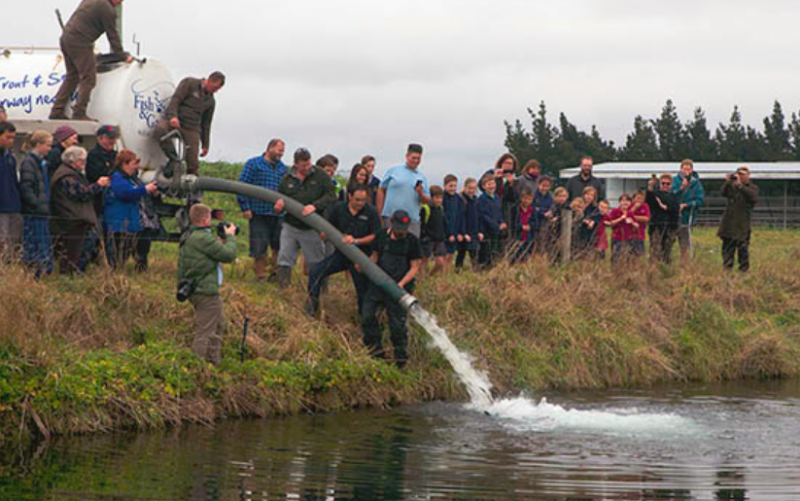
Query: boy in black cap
{"points": [[398, 253]]}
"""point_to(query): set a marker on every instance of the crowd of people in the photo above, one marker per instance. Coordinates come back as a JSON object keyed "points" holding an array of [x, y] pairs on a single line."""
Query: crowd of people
{"points": [[405, 224]]}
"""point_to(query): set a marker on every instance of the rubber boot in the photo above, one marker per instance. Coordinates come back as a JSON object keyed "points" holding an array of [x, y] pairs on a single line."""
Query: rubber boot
{"points": [[284, 277], [260, 267]]}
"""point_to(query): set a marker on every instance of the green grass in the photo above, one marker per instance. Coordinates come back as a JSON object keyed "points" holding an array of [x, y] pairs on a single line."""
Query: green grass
{"points": [[109, 351]]}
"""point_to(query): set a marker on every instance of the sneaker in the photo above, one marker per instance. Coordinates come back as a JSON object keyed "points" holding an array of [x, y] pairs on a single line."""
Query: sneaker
{"points": [[84, 118]]}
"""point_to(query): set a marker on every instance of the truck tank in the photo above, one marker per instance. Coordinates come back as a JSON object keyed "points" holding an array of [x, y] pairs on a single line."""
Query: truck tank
{"points": [[129, 96]]}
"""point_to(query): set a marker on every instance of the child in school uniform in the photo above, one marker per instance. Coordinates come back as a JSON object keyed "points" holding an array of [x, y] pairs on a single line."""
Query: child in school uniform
{"points": [[553, 220], [471, 233], [542, 203], [624, 229], [523, 227], [454, 218], [641, 212], [601, 236], [491, 223], [433, 233]]}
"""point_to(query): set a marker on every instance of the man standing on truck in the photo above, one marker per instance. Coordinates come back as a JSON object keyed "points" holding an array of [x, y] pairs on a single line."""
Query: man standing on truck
{"points": [[191, 111], [87, 24]]}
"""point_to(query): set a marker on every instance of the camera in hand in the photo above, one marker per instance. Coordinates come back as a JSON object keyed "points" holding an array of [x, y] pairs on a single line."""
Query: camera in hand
{"points": [[185, 289], [221, 227], [735, 177]]}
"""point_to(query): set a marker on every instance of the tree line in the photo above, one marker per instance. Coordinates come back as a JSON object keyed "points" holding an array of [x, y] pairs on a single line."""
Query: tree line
{"points": [[666, 138]]}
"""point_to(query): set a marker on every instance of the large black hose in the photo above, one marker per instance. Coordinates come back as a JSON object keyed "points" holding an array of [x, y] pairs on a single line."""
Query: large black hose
{"points": [[192, 184]]}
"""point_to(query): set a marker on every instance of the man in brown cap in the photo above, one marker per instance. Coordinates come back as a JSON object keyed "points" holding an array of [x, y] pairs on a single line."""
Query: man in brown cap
{"points": [[191, 111], [87, 24]]}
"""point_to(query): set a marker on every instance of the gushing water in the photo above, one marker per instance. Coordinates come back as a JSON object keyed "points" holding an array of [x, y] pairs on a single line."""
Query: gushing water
{"points": [[477, 383], [525, 414]]}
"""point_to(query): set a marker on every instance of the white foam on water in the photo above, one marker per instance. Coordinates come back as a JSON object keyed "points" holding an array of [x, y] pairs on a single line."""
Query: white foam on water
{"points": [[527, 415], [476, 382]]}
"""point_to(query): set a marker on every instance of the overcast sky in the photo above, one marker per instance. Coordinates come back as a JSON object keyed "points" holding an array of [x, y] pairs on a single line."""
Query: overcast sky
{"points": [[353, 76]]}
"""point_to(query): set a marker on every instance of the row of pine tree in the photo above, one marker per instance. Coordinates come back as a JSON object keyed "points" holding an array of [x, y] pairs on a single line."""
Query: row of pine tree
{"points": [[663, 139]]}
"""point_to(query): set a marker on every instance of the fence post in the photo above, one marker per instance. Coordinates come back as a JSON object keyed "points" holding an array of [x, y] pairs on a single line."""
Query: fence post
{"points": [[566, 236], [785, 202]]}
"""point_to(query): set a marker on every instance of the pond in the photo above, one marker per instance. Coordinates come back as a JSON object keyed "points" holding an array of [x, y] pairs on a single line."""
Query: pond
{"points": [[721, 442]]}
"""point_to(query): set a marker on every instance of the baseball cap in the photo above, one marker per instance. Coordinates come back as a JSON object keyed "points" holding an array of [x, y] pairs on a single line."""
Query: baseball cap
{"points": [[108, 130], [400, 220], [63, 133]]}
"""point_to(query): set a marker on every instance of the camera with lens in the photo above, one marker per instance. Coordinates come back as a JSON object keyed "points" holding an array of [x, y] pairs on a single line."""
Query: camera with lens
{"points": [[735, 177], [186, 288], [224, 225]]}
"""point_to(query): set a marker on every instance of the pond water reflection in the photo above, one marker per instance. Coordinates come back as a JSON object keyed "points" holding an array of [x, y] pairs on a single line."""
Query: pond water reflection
{"points": [[731, 442]]}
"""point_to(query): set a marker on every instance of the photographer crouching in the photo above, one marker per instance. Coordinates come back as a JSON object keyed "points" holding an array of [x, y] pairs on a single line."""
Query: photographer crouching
{"points": [[742, 196], [202, 250]]}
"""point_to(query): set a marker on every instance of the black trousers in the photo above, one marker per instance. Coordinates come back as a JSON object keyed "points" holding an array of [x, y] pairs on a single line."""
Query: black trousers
{"points": [[490, 250], [144, 242], [465, 248], [662, 238], [331, 265], [374, 301], [731, 247]]}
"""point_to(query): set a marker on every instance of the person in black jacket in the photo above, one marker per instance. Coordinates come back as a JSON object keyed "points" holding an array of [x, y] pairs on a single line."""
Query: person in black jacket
{"points": [[396, 252], [359, 222], [434, 232], [99, 163], [34, 191], [664, 219]]}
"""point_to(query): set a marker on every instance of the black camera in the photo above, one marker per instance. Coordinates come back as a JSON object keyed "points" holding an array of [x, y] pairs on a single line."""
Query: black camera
{"points": [[735, 177], [221, 227], [185, 290]]}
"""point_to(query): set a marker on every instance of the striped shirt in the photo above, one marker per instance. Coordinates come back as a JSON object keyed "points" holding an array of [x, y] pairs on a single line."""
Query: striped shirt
{"points": [[259, 172]]}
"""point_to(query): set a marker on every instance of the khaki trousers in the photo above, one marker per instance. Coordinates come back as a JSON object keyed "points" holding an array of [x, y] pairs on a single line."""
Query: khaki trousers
{"points": [[210, 327], [81, 74]]}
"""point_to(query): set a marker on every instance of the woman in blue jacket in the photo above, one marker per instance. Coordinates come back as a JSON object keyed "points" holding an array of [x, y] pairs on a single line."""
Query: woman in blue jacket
{"points": [[122, 219]]}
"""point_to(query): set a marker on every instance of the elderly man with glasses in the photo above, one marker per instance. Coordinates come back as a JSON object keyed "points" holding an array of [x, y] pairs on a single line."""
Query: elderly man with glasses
{"points": [[664, 219]]}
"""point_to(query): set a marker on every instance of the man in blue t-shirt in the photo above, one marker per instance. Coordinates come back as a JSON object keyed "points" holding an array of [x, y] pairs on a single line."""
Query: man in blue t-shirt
{"points": [[405, 188]]}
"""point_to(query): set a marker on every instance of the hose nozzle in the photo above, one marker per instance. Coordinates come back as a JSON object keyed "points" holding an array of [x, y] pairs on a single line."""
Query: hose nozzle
{"points": [[407, 301]]}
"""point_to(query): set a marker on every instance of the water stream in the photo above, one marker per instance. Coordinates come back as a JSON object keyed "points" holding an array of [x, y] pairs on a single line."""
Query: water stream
{"points": [[526, 413]]}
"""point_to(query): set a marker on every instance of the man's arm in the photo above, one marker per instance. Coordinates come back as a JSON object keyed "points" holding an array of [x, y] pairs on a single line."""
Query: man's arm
{"points": [[110, 26], [327, 199], [750, 192], [380, 199], [177, 98], [245, 177], [412, 272], [205, 126], [219, 251]]}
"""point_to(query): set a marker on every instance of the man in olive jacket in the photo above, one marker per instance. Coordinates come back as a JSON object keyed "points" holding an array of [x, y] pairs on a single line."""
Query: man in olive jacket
{"points": [[734, 230], [191, 110], [199, 258], [311, 187]]}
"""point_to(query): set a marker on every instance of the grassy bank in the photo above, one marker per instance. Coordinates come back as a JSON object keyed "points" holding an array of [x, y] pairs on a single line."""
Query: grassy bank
{"points": [[109, 351]]}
